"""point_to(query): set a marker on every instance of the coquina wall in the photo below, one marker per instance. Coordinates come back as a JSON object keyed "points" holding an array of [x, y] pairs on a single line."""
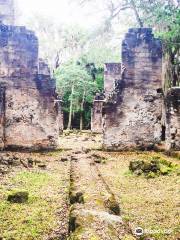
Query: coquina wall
{"points": [[132, 116], [112, 74], [96, 114], [172, 106], [28, 111]]}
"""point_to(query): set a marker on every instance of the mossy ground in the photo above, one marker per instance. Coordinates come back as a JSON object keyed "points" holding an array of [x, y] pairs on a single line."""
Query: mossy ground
{"points": [[148, 203], [47, 190]]}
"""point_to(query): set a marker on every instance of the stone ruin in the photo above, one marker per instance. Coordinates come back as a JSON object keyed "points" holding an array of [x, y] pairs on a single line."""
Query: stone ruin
{"points": [[132, 104], [134, 99], [112, 75], [96, 114], [133, 114], [172, 106], [29, 109], [61, 116]]}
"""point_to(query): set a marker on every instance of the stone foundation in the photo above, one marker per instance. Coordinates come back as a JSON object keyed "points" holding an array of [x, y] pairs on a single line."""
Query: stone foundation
{"points": [[172, 103], [132, 117], [28, 110]]}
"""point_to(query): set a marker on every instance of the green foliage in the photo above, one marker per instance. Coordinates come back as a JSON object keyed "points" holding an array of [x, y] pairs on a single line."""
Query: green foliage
{"points": [[75, 85], [72, 74], [166, 20], [164, 17]]}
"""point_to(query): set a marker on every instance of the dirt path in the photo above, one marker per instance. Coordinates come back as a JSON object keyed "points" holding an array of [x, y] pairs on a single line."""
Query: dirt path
{"points": [[95, 213]]}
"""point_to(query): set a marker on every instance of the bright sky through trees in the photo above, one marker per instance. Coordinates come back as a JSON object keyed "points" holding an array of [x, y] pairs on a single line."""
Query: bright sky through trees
{"points": [[64, 11]]}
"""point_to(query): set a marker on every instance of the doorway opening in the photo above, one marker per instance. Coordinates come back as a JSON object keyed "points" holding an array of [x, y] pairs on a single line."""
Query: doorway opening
{"points": [[163, 133]]}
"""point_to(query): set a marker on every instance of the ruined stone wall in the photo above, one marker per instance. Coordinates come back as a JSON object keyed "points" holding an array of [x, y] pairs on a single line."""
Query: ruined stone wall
{"points": [[61, 117], [96, 116], [112, 74], [133, 116], [172, 106], [31, 114], [7, 12], [2, 116]]}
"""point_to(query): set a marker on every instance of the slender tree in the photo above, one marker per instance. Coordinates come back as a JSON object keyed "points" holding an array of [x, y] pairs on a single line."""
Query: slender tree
{"points": [[74, 80]]}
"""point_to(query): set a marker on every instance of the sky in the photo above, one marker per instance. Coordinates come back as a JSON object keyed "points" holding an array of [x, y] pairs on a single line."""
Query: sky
{"points": [[61, 11]]}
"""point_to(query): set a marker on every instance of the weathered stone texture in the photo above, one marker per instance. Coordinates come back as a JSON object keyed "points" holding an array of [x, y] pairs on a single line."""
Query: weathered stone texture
{"points": [[2, 116], [7, 12], [112, 74], [133, 115], [172, 104], [31, 113], [61, 117], [96, 116]]}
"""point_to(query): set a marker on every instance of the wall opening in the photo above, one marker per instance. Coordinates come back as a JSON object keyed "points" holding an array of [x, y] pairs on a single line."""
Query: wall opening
{"points": [[160, 90], [163, 133]]}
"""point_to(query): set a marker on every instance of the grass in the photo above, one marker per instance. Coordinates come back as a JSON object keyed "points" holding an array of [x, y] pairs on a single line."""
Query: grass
{"points": [[37, 218], [148, 203]]}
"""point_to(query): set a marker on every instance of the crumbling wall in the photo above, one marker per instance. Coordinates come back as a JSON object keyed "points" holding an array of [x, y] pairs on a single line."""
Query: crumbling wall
{"points": [[7, 12], [132, 117], [96, 115], [172, 105], [112, 74], [2, 116], [61, 117], [31, 113]]}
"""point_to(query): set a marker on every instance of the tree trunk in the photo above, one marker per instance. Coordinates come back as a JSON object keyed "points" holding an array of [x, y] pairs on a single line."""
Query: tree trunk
{"points": [[136, 13], [71, 109], [82, 109], [171, 69]]}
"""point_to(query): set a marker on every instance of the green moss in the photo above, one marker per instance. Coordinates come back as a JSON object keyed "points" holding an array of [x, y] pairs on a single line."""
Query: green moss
{"points": [[151, 175], [76, 198], [99, 202], [164, 170], [128, 173], [152, 168], [112, 205], [18, 196], [35, 218], [94, 238], [128, 237]]}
